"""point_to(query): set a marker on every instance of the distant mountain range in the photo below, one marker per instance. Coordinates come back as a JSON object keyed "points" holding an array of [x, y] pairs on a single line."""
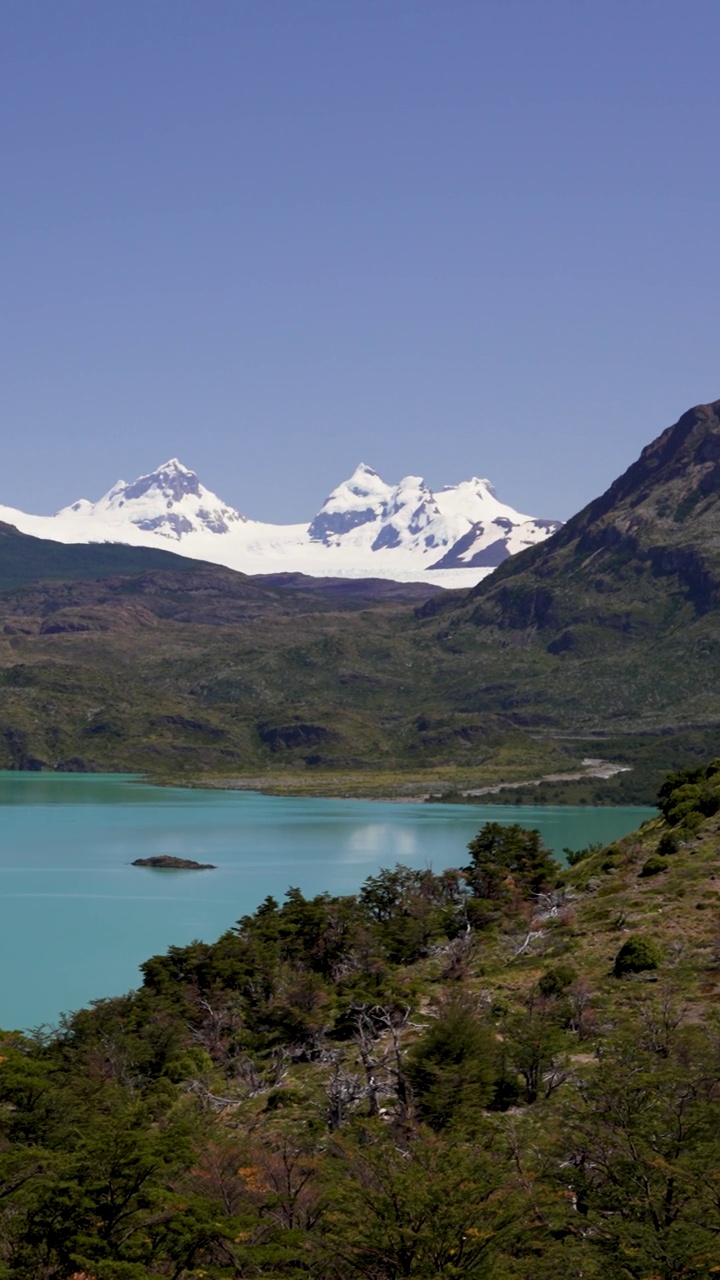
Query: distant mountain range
{"points": [[365, 528]]}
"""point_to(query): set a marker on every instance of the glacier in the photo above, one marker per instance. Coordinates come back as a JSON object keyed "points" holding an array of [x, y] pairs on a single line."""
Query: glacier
{"points": [[366, 528]]}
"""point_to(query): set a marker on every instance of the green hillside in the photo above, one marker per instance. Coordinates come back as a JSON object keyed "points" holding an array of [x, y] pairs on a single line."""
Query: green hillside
{"points": [[24, 559], [602, 642], [207, 671], [502, 1071], [609, 630], [639, 563]]}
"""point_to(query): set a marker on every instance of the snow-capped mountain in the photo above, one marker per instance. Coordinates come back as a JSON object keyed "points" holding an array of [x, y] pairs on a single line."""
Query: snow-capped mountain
{"points": [[365, 528], [170, 502], [463, 527]]}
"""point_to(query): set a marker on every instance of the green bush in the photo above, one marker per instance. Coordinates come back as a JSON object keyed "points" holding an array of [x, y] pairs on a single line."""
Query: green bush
{"points": [[635, 956], [654, 866], [690, 795], [556, 980], [573, 856], [612, 858], [451, 1067]]}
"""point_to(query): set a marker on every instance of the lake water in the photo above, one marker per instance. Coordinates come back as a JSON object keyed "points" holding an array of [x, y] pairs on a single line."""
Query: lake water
{"points": [[76, 919]]}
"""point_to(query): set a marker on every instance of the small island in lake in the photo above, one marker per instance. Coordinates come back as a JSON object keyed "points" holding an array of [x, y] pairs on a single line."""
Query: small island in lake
{"points": [[167, 862]]}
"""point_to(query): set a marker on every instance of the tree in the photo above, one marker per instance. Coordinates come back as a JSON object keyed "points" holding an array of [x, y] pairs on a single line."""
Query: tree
{"points": [[411, 909], [509, 862], [451, 1068], [435, 1209], [639, 1148], [536, 1049]]}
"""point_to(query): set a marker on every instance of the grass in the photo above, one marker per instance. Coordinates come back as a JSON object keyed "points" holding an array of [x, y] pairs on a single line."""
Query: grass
{"points": [[333, 702]]}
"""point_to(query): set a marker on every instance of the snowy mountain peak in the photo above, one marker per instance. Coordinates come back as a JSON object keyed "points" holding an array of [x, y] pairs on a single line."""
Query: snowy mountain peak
{"points": [[170, 501], [363, 482], [363, 472], [412, 504], [365, 528], [463, 526], [171, 481], [477, 483], [357, 501]]}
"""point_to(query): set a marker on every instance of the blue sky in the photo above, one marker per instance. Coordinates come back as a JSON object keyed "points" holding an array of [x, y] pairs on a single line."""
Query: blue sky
{"points": [[276, 237]]}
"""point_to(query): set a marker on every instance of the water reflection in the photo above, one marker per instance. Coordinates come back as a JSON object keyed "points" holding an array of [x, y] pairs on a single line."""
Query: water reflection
{"points": [[380, 842]]}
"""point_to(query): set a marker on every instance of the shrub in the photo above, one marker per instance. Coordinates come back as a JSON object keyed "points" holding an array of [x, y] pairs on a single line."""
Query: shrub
{"points": [[636, 955], [556, 980], [654, 866], [690, 795], [669, 843], [573, 856], [612, 858], [674, 784], [690, 823], [451, 1067]]}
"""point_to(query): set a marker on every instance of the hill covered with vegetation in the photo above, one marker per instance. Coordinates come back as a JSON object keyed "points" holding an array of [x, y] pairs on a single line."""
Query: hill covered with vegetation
{"points": [[611, 626], [601, 642], [501, 1071], [24, 559]]}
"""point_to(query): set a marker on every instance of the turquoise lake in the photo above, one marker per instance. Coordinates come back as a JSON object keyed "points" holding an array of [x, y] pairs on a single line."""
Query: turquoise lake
{"points": [[76, 919]]}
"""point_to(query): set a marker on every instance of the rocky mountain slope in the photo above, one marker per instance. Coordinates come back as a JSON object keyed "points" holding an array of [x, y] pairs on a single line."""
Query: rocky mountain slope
{"points": [[365, 528], [645, 550], [610, 628]]}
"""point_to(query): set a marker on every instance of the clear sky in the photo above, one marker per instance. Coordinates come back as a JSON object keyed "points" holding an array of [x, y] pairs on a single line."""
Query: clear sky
{"points": [[276, 237]]}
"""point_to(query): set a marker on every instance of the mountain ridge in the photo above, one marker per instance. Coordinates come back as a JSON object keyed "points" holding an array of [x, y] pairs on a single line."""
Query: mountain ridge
{"points": [[608, 631], [365, 527], [659, 520]]}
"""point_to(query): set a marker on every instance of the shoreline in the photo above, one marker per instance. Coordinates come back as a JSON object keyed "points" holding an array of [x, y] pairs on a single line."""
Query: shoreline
{"points": [[270, 785]]}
